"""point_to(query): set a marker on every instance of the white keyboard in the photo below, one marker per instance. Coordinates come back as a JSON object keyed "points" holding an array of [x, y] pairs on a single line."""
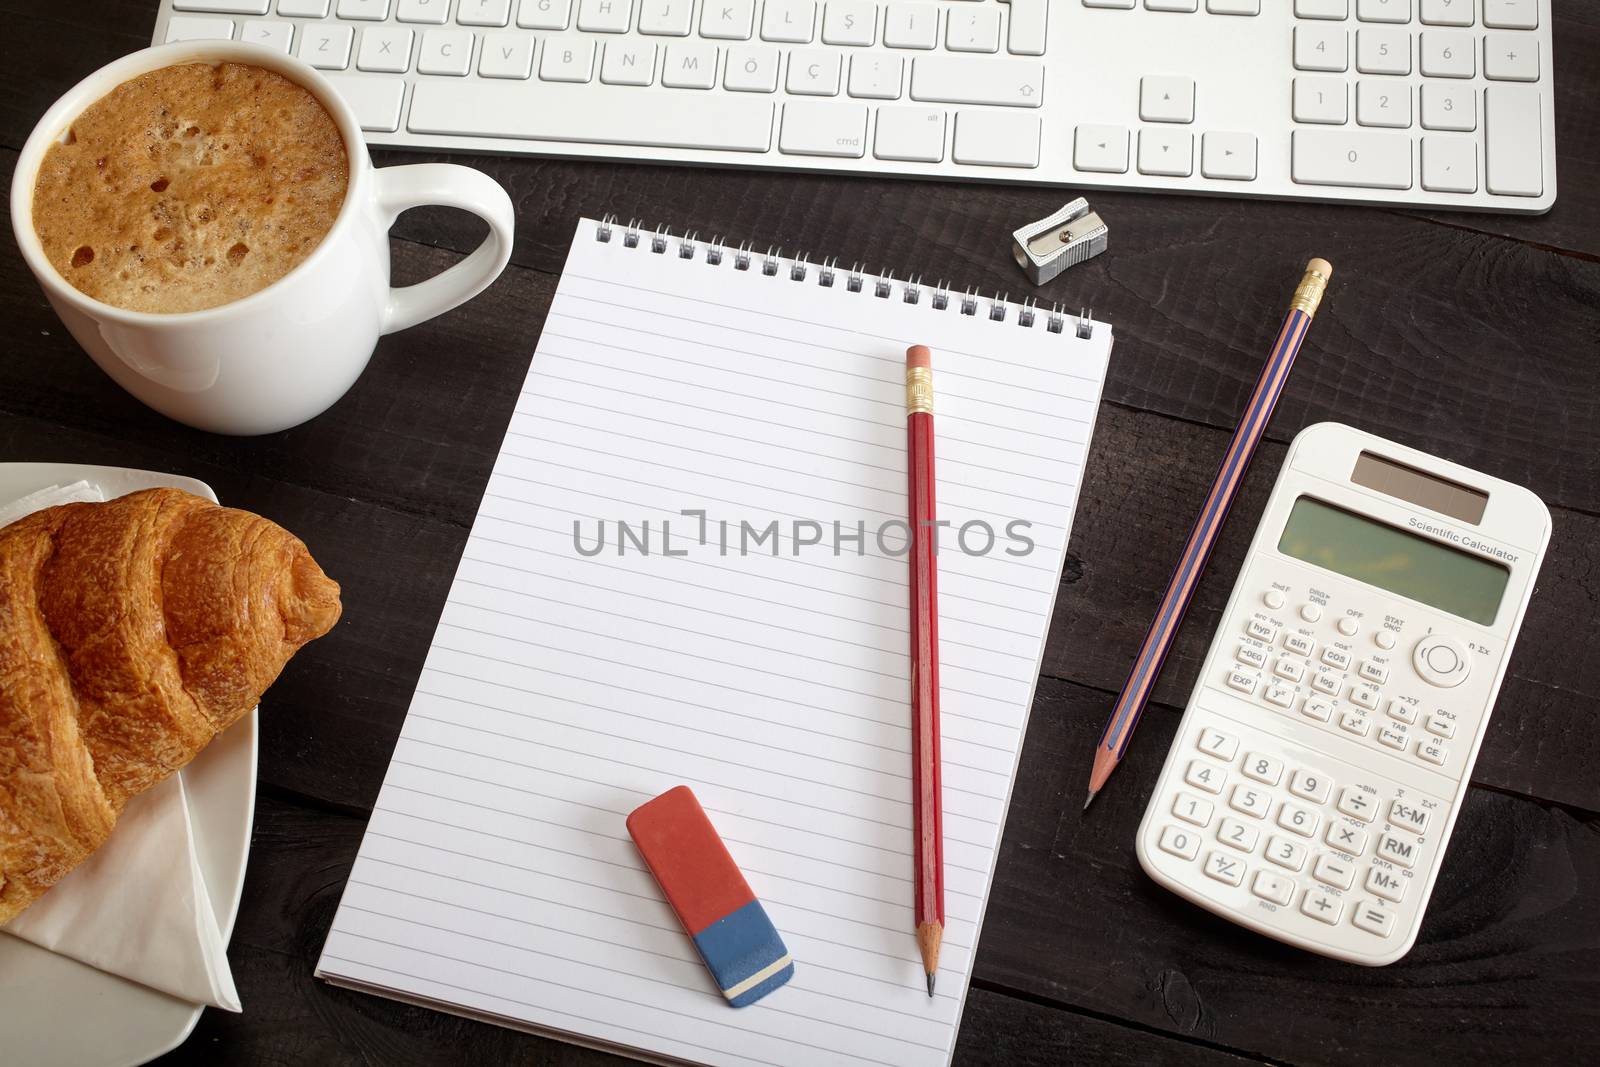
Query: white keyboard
{"points": [[1436, 102]]}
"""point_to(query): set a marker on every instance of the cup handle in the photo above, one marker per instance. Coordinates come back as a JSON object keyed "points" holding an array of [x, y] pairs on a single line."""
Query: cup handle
{"points": [[447, 185]]}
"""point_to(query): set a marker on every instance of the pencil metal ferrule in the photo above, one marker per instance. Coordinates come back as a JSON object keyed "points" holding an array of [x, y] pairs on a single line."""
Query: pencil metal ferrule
{"points": [[1308, 294], [919, 390]]}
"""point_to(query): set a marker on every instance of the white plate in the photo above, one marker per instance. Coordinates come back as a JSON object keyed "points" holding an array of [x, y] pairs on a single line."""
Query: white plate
{"points": [[56, 1012]]}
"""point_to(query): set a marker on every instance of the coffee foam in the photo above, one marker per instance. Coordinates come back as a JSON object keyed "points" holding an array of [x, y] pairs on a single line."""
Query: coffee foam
{"points": [[189, 187]]}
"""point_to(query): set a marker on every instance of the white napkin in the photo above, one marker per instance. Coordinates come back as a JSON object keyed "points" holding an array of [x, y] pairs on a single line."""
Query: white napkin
{"points": [[138, 907]]}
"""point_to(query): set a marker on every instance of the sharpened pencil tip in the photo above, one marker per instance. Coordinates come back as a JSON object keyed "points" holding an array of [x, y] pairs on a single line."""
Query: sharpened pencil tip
{"points": [[1089, 801], [930, 985]]}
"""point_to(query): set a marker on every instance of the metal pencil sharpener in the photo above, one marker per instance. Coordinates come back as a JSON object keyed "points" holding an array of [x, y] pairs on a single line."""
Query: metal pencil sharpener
{"points": [[1045, 248]]}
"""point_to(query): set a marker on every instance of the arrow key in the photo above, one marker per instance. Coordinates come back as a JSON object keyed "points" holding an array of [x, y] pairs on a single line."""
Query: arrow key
{"points": [[1230, 156], [1102, 149], [1166, 152], [1449, 164], [1166, 98]]}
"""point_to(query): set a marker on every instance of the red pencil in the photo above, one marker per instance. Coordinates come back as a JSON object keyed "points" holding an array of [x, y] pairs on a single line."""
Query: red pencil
{"points": [[927, 822]]}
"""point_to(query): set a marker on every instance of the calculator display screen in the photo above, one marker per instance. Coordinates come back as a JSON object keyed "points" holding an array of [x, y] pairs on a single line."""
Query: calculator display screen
{"points": [[1390, 558]]}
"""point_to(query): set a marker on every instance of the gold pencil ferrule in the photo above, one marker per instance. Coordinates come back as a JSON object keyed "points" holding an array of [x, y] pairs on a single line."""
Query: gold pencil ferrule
{"points": [[919, 390], [1308, 294]]}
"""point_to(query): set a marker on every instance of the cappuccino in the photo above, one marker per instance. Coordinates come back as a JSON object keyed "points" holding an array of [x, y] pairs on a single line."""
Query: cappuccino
{"points": [[190, 187]]}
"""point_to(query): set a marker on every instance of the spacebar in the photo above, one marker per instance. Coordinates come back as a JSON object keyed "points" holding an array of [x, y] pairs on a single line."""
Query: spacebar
{"points": [[592, 114]]}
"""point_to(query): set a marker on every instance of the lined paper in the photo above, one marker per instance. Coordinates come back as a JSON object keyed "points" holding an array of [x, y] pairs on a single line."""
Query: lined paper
{"points": [[562, 690]]}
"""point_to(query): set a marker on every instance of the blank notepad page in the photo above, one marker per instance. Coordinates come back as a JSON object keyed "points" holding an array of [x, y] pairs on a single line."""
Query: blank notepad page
{"points": [[743, 632]]}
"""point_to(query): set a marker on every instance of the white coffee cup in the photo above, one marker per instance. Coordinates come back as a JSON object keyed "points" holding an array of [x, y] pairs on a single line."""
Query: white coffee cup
{"points": [[286, 352]]}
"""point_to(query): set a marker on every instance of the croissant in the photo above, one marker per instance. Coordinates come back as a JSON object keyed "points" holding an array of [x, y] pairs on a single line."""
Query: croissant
{"points": [[132, 632]]}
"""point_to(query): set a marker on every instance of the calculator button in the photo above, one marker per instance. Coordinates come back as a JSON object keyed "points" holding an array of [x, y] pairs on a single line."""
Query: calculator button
{"points": [[1180, 842], [1355, 803], [1337, 658], [1286, 853], [1298, 820], [1206, 776], [1192, 809], [1272, 598], [1373, 672], [1408, 815], [1269, 886], [1262, 768], [1353, 722], [1399, 849], [1252, 802], [1235, 834], [1441, 661], [1317, 708], [1310, 785], [1244, 683], [1251, 656], [1373, 919], [1299, 644], [1327, 683], [1218, 744], [1346, 838], [1433, 752], [1438, 724], [1364, 697], [1400, 710], [1334, 871], [1386, 884], [1384, 639], [1261, 631], [1292, 669], [1310, 612], [1349, 625], [1225, 868], [1282, 696], [1389, 737], [1322, 906]]}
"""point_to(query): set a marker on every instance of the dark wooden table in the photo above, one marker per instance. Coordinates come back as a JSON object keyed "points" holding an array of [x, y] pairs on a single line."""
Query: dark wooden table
{"points": [[1474, 336]]}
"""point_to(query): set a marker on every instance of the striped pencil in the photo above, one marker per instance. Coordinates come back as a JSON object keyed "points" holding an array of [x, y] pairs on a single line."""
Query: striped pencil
{"points": [[1186, 576]]}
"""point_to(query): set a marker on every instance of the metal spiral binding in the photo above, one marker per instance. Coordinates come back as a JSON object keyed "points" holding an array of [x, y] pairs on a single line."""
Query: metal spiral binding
{"points": [[882, 287], [686, 245], [997, 307], [602, 232], [797, 269], [969, 302], [825, 272], [941, 297], [1025, 313], [714, 251], [658, 243], [630, 237], [741, 258], [911, 292], [769, 265], [1085, 328]]}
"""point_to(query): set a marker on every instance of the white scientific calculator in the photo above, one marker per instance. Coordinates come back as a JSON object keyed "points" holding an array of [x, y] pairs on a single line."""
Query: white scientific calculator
{"points": [[1329, 741]]}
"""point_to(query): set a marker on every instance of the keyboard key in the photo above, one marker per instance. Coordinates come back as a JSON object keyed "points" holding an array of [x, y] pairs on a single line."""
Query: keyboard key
{"points": [[875, 76], [223, 7], [996, 139], [1345, 838], [376, 101], [1286, 853], [722, 20], [1164, 98], [1237, 680], [1383, 51], [751, 69], [1512, 154], [510, 55], [850, 22], [326, 47], [1353, 722], [1383, 10], [1234, 7], [1231, 157], [1447, 55], [1373, 919], [1310, 612], [1370, 670], [1349, 625], [1511, 14], [1391, 737], [1382, 103], [605, 16], [1399, 710], [1447, 12], [1321, 48], [1334, 871], [310, 9], [542, 14], [434, 12], [1337, 658], [1186, 806], [449, 52], [1250, 801], [274, 35], [1318, 708], [1299, 644], [1185, 844], [1356, 803], [1322, 9], [972, 29], [1407, 815], [1438, 724], [824, 128], [1276, 888], [960, 80], [1280, 696], [384, 49], [487, 12], [1510, 57], [557, 112], [1386, 884], [1169, 153], [364, 10], [1218, 744], [1249, 655], [1126, 5], [1310, 785], [688, 65], [1321, 906], [813, 72], [1235, 834], [1326, 683], [1366, 697], [1172, 5], [634, 63], [915, 134], [1025, 35], [1400, 849], [183, 28], [1298, 820], [1206, 776], [1263, 769], [911, 26], [675, 18], [1261, 630], [1433, 752], [1291, 669], [1225, 868]]}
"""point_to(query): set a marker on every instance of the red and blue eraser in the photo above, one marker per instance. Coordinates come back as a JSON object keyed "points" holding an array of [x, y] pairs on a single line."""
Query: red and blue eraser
{"points": [[726, 922]]}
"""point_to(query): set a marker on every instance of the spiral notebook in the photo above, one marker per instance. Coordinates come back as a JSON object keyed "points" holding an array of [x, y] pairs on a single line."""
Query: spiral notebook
{"points": [[686, 569]]}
